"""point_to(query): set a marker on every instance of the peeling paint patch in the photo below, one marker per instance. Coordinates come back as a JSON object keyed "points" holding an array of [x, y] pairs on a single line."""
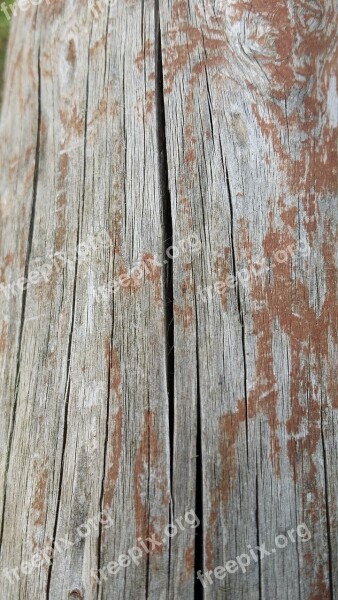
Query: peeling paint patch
{"points": [[115, 441], [39, 499], [149, 482]]}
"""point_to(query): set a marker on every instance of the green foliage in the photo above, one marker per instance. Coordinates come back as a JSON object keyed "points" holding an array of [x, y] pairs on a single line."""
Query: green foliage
{"points": [[4, 31]]}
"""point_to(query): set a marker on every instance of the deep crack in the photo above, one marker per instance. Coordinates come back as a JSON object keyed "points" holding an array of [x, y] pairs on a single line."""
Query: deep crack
{"points": [[168, 292]]}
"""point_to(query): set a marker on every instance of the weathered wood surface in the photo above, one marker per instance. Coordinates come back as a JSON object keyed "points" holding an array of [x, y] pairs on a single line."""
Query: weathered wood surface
{"points": [[160, 122]]}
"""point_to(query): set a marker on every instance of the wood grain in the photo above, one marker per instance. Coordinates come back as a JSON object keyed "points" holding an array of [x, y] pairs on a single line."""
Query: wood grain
{"points": [[210, 126]]}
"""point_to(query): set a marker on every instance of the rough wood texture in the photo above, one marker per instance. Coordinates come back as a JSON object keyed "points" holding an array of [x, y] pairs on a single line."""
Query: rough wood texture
{"points": [[160, 122]]}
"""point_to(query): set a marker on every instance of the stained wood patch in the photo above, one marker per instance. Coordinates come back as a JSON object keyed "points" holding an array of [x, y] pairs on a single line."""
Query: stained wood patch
{"points": [[168, 301]]}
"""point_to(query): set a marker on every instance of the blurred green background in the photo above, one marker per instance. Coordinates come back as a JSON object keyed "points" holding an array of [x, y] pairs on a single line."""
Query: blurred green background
{"points": [[4, 32]]}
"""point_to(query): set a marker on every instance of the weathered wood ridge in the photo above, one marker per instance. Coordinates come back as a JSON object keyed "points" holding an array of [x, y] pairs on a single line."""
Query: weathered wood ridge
{"points": [[159, 122]]}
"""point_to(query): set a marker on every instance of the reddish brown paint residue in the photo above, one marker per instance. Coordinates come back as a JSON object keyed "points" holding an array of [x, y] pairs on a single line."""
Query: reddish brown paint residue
{"points": [[321, 586], [60, 227], [289, 217], [288, 302], [71, 54], [332, 384], [29, 176], [184, 204], [13, 165], [72, 122], [283, 303], [116, 234], [8, 261], [198, 49], [99, 44], [115, 373], [148, 473], [312, 166], [179, 10], [189, 562], [229, 425], [311, 169], [150, 100], [244, 246], [146, 52], [3, 337], [39, 499], [221, 268], [107, 353], [228, 430], [184, 316], [153, 274], [289, 42], [114, 460], [63, 168], [43, 127], [146, 269], [115, 441], [99, 112], [189, 156], [187, 285], [127, 280], [49, 11], [22, 238], [177, 55]]}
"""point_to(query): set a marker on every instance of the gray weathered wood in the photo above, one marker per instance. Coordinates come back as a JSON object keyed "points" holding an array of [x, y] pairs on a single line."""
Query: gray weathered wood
{"points": [[210, 126]]}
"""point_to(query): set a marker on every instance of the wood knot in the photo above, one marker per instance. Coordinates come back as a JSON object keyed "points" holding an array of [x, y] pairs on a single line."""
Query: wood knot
{"points": [[75, 594]]}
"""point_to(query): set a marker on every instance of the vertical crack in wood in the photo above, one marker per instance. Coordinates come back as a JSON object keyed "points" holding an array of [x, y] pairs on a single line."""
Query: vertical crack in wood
{"points": [[124, 122], [167, 242], [70, 339], [209, 105], [260, 590], [240, 308], [105, 453], [148, 515], [105, 445], [142, 23], [106, 44], [199, 539], [24, 295], [326, 492]]}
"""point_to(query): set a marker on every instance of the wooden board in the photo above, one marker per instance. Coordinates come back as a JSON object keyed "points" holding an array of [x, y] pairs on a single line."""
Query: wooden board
{"points": [[189, 149]]}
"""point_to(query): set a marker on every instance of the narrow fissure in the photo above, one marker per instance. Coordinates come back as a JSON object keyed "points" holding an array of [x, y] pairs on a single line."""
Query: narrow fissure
{"points": [[24, 293], [167, 241], [65, 427], [148, 528], [169, 316], [105, 452], [199, 554], [328, 524], [70, 340], [240, 309], [105, 448], [260, 590]]}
